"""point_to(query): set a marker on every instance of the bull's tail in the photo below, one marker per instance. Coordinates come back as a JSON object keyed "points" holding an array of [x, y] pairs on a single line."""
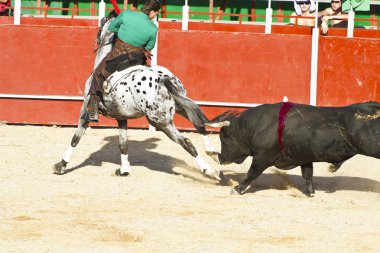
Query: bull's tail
{"points": [[193, 112]]}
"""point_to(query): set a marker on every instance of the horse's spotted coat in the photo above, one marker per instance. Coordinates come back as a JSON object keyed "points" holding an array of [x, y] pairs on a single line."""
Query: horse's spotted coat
{"points": [[141, 91]]}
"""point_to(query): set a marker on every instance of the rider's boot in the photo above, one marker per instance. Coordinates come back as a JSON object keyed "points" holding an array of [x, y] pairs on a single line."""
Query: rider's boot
{"points": [[94, 108]]}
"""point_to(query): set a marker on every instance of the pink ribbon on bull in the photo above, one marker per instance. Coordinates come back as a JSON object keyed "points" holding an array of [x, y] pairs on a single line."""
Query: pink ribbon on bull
{"points": [[283, 114], [115, 6]]}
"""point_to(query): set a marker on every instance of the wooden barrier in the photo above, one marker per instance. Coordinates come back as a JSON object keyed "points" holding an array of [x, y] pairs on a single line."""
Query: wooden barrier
{"points": [[243, 66]]}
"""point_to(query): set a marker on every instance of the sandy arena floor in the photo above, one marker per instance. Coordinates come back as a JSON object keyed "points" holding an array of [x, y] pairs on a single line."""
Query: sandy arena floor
{"points": [[166, 205]]}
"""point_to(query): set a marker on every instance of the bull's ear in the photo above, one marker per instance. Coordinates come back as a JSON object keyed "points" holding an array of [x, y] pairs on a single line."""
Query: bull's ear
{"points": [[218, 124]]}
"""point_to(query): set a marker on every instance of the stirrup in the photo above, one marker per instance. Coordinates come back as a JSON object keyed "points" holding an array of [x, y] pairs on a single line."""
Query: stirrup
{"points": [[94, 108], [85, 116]]}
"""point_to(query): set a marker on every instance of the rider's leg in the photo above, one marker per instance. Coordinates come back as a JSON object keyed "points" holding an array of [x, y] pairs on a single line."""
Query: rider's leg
{"points": [[99, 76], [94, 108], [94, 98]]}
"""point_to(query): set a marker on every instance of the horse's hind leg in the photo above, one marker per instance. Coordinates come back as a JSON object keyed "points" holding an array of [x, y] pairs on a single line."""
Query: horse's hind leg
{"points": [[123, 144], [333, 167], [60, 167], [176, 136]]}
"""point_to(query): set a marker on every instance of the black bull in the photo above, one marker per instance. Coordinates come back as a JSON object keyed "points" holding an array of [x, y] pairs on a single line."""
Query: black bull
{"points": [[288, 135]]}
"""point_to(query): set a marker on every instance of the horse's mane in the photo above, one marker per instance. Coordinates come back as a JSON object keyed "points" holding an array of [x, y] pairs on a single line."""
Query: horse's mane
{"points": [[103, 21]]}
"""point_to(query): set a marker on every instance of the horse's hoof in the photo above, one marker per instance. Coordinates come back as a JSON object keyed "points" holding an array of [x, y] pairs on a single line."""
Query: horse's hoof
{"points": [[216, 174], [59, 168], [221, 176], [119, 174], [309, 194]]}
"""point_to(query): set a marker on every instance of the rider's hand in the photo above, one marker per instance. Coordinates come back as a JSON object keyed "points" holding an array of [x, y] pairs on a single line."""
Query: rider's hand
{"points": [[324, 27]]}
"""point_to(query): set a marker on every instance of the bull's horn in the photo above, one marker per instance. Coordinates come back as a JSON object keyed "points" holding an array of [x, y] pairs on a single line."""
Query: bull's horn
{"points": [[214, 156], [218, 124]]}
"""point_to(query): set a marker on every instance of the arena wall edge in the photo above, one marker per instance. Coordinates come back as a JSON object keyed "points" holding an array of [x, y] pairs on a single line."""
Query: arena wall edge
{"points": [[243, 66]]}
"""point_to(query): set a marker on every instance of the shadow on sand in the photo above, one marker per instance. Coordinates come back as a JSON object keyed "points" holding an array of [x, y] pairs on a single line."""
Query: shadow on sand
{"points": [[141, 153], [282, 181]]}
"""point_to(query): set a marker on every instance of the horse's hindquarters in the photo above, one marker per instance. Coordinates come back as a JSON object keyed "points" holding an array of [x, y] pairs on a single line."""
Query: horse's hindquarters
{"points": [[121, 105]]}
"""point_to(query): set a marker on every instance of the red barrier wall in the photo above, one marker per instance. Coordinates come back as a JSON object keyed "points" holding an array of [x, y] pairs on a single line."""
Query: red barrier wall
{"points": [[348, 70], [240, 66]]}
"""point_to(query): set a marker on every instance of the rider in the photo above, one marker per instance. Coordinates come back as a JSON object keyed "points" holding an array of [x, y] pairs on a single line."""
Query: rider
{"points": [[137, 35]]}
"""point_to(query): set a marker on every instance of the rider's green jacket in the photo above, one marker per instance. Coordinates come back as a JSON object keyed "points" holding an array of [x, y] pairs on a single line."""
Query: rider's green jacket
{"points": [[135, 28]]}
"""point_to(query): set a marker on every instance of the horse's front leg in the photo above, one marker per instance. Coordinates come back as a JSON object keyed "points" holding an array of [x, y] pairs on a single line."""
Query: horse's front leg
{"points": [[209, 148], [176, 136], [123, 144], [60, 167]]}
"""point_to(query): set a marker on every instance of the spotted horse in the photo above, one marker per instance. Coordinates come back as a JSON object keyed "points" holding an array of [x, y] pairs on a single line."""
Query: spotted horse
{"points": [[153, 92]]}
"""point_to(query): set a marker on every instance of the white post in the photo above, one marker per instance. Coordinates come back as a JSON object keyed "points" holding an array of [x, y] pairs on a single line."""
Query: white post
{"points": [[268, 18], [314, 60], [102, 11], [153, 62], [17, 12], [350, 26], [185, 17]]}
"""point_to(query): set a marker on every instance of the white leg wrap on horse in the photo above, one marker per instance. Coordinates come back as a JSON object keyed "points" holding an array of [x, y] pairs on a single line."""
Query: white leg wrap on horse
{"points": [[207, 144], [68, 153], [202, 165], [125, 166]]}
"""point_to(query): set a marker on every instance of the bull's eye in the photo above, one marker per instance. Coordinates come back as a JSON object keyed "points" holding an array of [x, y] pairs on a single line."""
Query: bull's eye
{"points": [[224, 133]]}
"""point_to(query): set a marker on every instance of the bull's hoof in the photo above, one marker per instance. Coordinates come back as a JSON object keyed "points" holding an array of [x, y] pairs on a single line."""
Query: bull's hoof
{"points": [[119, 174], [333, 168], [310, 192], [237, 190], [60, 168]]}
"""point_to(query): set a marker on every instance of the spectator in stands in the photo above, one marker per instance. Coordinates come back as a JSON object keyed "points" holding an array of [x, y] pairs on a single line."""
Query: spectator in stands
{"points": [[303, 8], [4, 5], [137, 35], [334, 14]]}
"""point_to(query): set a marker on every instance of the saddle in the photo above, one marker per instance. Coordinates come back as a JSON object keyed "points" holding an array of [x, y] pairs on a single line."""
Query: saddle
{"points": [[110, 83]]}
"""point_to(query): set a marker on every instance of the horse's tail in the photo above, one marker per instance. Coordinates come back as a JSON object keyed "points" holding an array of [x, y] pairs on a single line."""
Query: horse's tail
{"points": [[194, 113]]}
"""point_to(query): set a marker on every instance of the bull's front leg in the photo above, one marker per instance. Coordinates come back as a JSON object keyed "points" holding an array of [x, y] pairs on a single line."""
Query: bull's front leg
{"points": [[254, 172]]}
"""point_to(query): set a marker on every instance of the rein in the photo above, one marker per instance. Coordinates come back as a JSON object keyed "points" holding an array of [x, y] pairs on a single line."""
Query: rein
{"points": [[117, 10], [100, 46], [102, 23]]}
